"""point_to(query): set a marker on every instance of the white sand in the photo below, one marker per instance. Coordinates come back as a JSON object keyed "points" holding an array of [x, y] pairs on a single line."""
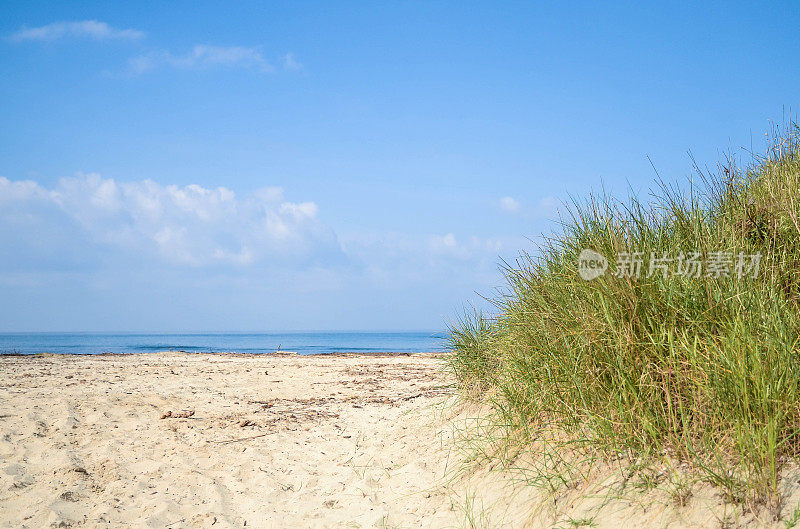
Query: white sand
{"points": [[344, 441], [288, 442]]}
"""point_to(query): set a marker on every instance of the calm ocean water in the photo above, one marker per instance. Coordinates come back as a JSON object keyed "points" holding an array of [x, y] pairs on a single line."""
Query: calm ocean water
{"points": [[301, 342]]}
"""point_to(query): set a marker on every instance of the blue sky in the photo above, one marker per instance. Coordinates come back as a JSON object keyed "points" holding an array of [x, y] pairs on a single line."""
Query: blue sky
{"points": [[191, 166]]}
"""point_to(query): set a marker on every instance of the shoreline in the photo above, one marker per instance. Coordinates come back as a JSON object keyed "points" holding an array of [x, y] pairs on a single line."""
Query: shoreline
{"points": [[376, 354]]}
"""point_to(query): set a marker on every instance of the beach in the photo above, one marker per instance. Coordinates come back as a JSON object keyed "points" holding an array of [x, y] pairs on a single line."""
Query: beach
{"points": [[184, 440], [175, 439]]}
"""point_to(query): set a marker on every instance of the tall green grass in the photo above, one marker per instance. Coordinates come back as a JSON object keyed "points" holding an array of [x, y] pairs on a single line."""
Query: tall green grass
{"points": [[703, 370]]}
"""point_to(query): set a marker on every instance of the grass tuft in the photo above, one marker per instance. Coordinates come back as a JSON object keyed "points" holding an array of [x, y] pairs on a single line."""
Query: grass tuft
{"points": [[703, 371]]}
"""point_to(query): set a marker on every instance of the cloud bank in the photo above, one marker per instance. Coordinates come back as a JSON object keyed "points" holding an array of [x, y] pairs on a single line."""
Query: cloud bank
{"points": [[190, 225], [93, 253], [86, 28]]}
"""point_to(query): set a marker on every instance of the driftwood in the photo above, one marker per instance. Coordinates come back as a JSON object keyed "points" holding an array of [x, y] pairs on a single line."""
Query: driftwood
{"points": [[185, 414]]}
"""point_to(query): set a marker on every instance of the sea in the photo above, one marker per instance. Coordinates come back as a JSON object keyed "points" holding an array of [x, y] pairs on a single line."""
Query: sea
{"points": [[254, 343]]}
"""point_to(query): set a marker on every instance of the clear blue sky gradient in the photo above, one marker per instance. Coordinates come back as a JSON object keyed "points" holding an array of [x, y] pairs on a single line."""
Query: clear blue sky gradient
{"points": [[404, 123]]}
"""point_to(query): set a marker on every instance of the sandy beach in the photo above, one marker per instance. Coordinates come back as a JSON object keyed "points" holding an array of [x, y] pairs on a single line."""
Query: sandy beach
{"points": [[172, 440], [199, 440]]}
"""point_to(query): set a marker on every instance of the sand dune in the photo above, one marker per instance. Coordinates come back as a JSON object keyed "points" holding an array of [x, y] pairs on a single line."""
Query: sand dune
{"points": [[288, 442]]}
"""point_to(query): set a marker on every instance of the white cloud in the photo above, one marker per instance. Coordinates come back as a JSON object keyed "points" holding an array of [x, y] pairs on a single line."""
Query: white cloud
{"points": [[510, 205], [545, 207], [189, 225], [304, 209], [202, 56], [291, 63], [85, 28], [446, 241], [19, 190], [475, 248]]}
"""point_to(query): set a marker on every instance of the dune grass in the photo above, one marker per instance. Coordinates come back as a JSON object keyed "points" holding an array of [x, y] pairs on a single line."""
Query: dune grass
{"points": [[702, 370]]}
